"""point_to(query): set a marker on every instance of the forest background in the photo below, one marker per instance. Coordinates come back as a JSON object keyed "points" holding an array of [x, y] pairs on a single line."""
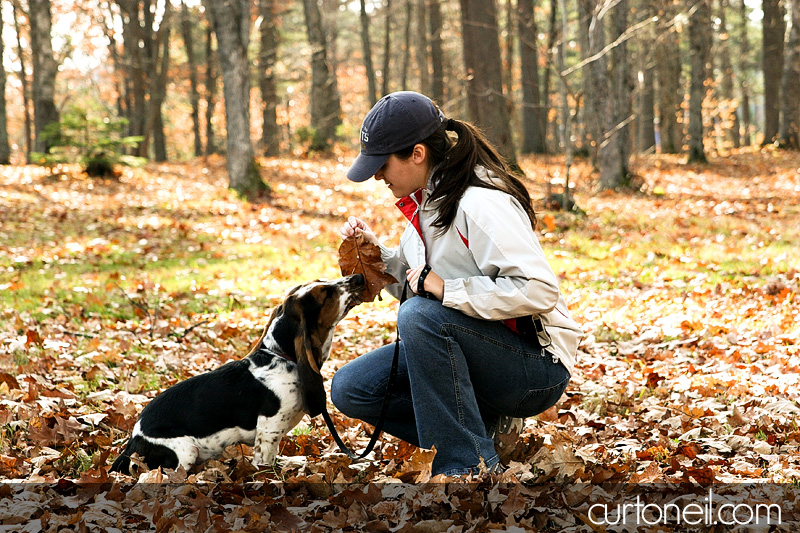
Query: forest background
{"points": [[171, 169]]}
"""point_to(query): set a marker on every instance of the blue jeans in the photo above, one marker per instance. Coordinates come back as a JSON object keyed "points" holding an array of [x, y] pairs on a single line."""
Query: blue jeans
{"points": [[457, 376]]}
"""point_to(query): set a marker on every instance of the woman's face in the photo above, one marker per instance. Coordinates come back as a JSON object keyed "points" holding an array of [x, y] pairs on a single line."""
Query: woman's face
{"points": [[404, 176]]}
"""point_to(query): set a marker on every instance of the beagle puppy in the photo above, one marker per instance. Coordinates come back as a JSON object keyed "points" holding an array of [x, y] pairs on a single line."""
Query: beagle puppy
{"points": [[255, 400]]}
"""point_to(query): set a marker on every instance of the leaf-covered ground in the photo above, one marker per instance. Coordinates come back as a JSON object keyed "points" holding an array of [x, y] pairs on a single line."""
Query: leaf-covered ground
{"points": [[112, 290]]}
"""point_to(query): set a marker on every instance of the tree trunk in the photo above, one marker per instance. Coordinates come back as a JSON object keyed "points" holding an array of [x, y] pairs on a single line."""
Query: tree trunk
{"points": [[699, 37], [194, 95], [437, 53], [508, 47], [532, 135], [647, 128], [646, 140], [553, 34], [670, 94], [158, 86], [23, 78], [422, 47], [773, 29], [326, 108], [211, 93], [387, 49], [267, 59], [366, 51], [588, 121], [330, 29], [595, 83], [107, 21], [744, 73], [5, 147], [406, 45], [45, 68], [613, 155], [487, 104], [729, 103], [136, 37], [790, 101], [231, 22]]}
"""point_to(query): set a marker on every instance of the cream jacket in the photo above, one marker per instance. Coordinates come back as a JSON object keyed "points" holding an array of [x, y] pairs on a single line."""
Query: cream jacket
{"points": [[492, 263]]}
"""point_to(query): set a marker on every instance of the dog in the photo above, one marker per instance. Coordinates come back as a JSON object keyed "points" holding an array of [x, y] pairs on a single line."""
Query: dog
{"points": [[255, 400]]}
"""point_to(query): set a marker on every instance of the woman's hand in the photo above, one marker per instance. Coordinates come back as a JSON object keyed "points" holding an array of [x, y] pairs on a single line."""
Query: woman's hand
{"points": [[354, 227], [433, 283]]}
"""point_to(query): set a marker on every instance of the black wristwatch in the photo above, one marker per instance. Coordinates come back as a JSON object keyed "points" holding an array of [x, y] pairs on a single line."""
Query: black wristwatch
{"points": [[421, 284]]}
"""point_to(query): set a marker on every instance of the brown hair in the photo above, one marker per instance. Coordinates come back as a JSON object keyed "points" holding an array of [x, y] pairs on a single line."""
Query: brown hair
{"points": [[454, 163]]}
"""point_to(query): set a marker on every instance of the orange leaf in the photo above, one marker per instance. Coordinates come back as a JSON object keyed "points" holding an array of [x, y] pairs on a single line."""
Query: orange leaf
{"points": [[549, 221]]}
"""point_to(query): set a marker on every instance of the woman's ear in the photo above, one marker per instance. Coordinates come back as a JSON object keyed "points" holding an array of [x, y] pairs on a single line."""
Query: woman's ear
{"points": [[420, 153]]}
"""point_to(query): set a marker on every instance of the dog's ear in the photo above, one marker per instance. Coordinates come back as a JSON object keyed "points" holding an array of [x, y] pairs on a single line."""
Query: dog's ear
{"points": [[309, 359]]}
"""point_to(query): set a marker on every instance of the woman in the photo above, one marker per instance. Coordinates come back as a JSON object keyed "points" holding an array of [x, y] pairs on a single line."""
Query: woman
{"points": [[492, 338]]}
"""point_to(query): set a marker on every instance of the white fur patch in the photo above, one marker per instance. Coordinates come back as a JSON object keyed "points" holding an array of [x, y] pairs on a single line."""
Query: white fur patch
{"points": [[191, 449]]}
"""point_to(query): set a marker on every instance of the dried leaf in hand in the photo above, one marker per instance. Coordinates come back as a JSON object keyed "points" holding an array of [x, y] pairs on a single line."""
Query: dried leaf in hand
{"points": [[359, 256]]}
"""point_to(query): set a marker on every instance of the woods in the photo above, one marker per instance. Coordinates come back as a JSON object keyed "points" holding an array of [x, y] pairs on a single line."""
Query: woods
{"points": [[638, 76], [169, 169]]}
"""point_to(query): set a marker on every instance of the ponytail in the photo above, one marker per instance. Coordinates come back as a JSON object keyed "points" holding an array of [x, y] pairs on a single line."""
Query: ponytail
{"points": [[454, 172]]}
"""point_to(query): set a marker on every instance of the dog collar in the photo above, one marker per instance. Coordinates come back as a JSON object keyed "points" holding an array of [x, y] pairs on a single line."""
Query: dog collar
{"points": [[279, 353]]}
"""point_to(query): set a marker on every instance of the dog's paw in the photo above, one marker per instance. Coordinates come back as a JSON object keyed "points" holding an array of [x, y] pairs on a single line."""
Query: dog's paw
{"points": [[265, 461]]}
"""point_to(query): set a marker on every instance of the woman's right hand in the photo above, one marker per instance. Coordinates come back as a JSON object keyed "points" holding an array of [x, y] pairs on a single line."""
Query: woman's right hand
{"points": [[356, 226]]}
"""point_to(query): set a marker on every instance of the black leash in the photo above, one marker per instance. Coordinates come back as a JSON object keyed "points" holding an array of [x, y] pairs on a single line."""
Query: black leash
{"points": [[384, 408]]}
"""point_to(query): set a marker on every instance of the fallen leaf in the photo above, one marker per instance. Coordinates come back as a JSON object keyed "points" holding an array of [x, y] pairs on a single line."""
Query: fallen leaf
{"points": [[358, 256]]}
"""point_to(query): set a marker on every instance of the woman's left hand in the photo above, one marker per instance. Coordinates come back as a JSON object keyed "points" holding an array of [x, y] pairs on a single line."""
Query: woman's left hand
{"points": [[433, 283]]}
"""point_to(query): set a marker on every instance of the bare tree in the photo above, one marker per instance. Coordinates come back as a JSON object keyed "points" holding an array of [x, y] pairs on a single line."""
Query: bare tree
{"points": [[267, 59], [194, 94], [146, 57], [790, 88], [744, 71], [406, 45], [437, 53], [5, 147], [231, 22], [366, 50], [23, 78], [107, 22], [646, 141], [326, 107], [158, 87], [726, 85], [668, 77], [595, 81], [533, 137], [773, 29], [700, 56], [45, 68], [211, 92], [613, 155], [422, 47], [485, 99]]}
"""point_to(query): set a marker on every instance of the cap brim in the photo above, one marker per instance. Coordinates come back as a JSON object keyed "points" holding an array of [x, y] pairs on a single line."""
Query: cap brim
{"points": [[365, 166]]}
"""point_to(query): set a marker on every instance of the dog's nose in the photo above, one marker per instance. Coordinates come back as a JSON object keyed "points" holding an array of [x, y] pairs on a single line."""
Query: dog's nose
{"points": [[358, 279]]}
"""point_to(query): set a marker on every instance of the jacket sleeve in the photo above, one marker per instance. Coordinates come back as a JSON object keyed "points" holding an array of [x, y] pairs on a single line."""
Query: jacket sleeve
{"points": [[396, 266], [517, 280]]}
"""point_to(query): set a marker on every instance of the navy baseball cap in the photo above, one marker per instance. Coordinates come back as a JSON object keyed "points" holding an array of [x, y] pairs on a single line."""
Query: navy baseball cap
{"points": [[397, 121]]}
